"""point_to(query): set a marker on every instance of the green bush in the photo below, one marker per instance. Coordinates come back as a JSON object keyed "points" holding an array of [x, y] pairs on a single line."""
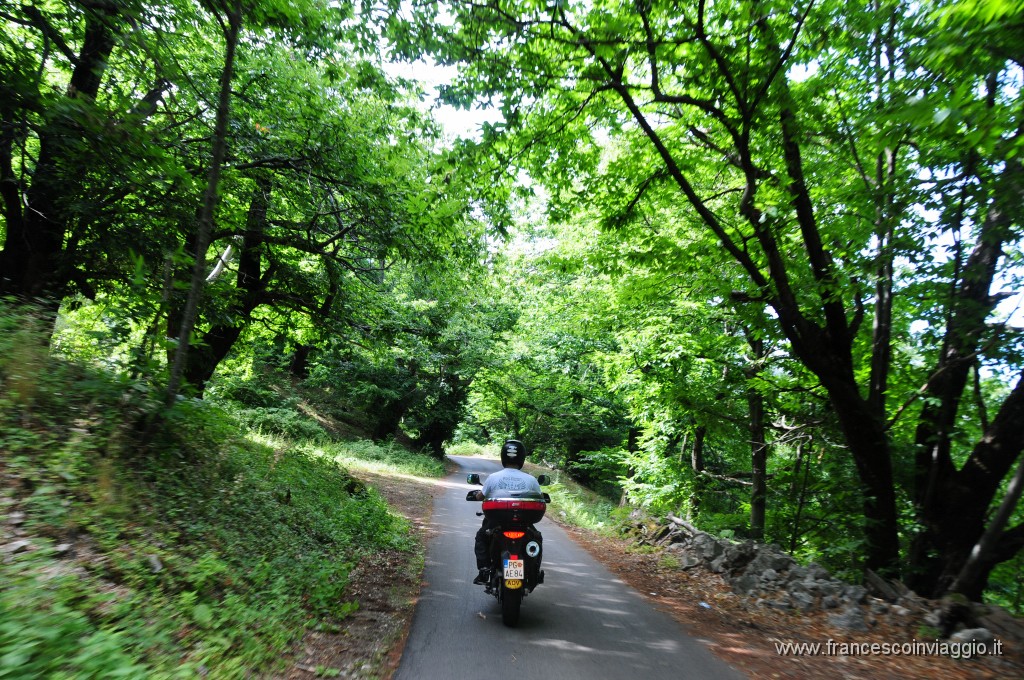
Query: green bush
{"points": [[197, 551], [282, 421], [250, 391], [44, 635], [384, 457], [472, 449]]}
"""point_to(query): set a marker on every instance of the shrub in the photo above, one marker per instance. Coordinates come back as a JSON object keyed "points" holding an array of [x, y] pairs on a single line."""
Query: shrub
{"points": [[42, 634], [283, 421]]}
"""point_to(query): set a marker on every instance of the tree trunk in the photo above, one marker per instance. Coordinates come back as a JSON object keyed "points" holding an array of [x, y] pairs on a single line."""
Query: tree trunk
{"points": [[971, 579], [801, 498], [33, 263], [758, 445], [866, 438], [299, 365], [824, 347], [953, 504], [389, 416], [205, 222], [250, 286], [203, 359], [958, 515], [697, 464]]}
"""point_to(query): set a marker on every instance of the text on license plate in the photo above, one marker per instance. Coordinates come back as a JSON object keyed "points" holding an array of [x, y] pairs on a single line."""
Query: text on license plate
{"points": [[514, 569]]}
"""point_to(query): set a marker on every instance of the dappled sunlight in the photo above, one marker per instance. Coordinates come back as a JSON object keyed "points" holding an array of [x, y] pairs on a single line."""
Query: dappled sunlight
{"points": [[568, 646]]}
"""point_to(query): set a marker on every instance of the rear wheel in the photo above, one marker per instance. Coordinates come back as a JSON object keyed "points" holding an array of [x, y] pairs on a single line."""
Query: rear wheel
{"points": [[510, 601]]}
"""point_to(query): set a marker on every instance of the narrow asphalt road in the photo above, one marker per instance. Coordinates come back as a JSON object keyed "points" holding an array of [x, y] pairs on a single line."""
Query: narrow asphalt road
{"points": [[582, 623]]}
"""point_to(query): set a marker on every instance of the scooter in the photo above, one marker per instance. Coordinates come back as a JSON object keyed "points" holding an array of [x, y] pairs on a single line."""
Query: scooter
{"points": [[515, 546]]}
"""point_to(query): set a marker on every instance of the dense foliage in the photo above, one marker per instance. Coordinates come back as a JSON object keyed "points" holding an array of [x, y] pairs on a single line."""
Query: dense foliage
{"points": [[809, 214], [757, 263], [209, 552]]}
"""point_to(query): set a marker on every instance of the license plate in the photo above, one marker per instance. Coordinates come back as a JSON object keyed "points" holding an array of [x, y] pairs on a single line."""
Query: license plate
{"points": [[514, 569]]}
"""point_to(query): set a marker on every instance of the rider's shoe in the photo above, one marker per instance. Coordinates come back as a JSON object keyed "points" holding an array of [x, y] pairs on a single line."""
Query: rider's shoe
{"points": [[482, 578]]}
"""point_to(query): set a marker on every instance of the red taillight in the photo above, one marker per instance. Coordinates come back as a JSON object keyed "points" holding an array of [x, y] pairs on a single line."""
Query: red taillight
{"points": [[514, 534], [504, 504]]}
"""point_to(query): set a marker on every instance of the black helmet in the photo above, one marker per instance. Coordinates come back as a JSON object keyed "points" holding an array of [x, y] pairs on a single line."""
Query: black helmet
{"points": [[513, 454]]}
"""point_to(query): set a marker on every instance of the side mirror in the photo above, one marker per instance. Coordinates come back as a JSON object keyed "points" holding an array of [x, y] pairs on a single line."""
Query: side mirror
{"points": [[544, 480], [473, 479]]}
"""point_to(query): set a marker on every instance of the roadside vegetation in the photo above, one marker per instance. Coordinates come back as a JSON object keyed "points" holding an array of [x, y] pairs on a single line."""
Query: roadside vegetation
{"points": [[204, 547], [756, 264]]}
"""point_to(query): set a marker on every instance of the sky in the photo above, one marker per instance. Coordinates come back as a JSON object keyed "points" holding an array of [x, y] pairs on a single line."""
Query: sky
{"points": [[458, 123]]}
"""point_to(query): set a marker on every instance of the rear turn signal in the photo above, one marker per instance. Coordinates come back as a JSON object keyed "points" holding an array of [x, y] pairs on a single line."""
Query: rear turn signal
{"points": [[514, 534]]}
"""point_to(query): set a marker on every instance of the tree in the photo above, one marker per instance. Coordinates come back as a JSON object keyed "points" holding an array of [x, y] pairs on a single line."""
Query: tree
{"points": [[57, 124], [798, 138], [204, 225], [314, 215], [413, 347], [544, 383]]}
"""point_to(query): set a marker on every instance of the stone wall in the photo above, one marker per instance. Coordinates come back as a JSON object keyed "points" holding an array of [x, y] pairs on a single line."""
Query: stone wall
{"points": [[770, 577]]}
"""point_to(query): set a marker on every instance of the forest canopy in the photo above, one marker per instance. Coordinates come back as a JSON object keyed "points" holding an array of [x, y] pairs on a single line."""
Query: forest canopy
{"points": [[756, 263]]}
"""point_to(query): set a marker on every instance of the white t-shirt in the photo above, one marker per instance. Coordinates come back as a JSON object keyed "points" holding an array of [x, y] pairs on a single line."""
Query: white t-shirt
{"points": [[510, 482]]}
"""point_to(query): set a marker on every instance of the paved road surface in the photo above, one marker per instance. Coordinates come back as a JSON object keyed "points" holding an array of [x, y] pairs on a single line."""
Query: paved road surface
{"points": [[581, 623]]}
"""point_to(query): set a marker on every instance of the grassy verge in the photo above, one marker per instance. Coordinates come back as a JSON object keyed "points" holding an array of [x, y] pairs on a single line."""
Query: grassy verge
{"points": [[209, 553], [576, 505]]}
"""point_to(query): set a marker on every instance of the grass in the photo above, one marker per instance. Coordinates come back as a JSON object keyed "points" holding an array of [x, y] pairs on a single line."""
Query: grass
{"points": [[207, 553], [576, 505]]}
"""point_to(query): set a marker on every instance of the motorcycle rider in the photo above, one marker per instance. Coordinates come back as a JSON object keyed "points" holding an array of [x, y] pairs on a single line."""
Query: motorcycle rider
{"points": [[509, 481]]}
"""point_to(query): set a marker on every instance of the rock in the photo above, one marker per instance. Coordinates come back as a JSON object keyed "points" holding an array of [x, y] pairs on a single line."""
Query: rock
{"points": [[769, 575], [688, 561], [740, 555], [796, 573], [899, 610], [15, 547], [766, 559], [745, 584], [1005, 626], [818, 572], [829, 588], [707, 547], [979, 635], [717, 565], [797, 586], [954, 611], [830, 602], [851, 618], [16, 518], [881, 587], [802, 601], [855, 594]]}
